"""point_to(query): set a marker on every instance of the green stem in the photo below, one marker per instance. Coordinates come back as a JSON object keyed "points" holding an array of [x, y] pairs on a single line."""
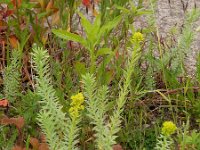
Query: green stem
{"points": [[93, 62], [165, 143]]}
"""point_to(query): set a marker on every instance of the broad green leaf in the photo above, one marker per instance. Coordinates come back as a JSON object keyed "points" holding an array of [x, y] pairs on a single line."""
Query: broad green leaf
{"points": [[94, 31], [97, 22], [108, 77], [144, 12], [110, 25], [28, 5], [90, 29], [70, 36], [80, 68], [104, 51], [41, 15], [85, 23], [108, 59]]}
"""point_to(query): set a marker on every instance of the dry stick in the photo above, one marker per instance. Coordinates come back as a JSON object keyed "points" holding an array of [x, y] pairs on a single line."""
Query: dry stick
{"points": [[3, 53], [174, 91], [181, 89]]}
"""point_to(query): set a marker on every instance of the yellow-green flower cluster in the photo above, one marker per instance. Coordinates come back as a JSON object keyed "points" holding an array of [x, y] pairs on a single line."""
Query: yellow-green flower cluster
{"points": [[137, 37], [76, 105], [168, 128]]}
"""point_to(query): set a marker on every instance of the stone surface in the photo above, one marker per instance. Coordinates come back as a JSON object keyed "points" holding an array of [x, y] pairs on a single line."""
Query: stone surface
{"points": [[171, 13]]}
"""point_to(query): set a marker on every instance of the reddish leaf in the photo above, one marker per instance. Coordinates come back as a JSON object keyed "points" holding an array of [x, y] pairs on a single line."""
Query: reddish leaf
{"points": [[34, 142], [4, 103], [2, 41], [117, 54], [18, 122], [43, 146], [16, 147], [86, 3], [16, 3], [117, 147], [5, 13], [8, 13], [43, 138]]}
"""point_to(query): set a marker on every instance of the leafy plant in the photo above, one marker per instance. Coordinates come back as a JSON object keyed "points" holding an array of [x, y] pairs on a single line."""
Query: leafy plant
{"points": [[61, 132], [94, 34], [97, 102], [12, 77]]}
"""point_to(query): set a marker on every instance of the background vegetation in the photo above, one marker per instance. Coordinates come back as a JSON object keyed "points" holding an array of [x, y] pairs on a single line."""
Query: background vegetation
{"points": [[81, 75]]}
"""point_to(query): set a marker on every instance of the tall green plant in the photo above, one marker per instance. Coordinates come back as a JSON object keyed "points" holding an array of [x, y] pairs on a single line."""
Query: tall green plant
{"points": [[177, 55], [94, 36], [11, 77], [106, 127], [61, 132], [51, 118], [198, 69]]}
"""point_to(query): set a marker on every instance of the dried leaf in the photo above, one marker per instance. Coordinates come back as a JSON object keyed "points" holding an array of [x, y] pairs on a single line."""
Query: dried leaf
{"points": [[13, 41], [97, 1], [5, 120], [16, 147], [3, 25], [42, 3], [52, 11], [44, 38], [56, 18], [50, 5], [94, 12]]}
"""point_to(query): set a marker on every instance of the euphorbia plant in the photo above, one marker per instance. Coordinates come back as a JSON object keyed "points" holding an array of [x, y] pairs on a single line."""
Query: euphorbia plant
{"points": [[94, 36]]}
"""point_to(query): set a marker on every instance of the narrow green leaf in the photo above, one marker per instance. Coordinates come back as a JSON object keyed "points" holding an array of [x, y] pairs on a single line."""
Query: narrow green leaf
{"points": [[85, 23], [122, 9]]}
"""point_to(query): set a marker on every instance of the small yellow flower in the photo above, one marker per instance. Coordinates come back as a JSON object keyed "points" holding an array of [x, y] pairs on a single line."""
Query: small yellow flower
{"points": [[168, 128], [137, 37], [76, 105]]}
